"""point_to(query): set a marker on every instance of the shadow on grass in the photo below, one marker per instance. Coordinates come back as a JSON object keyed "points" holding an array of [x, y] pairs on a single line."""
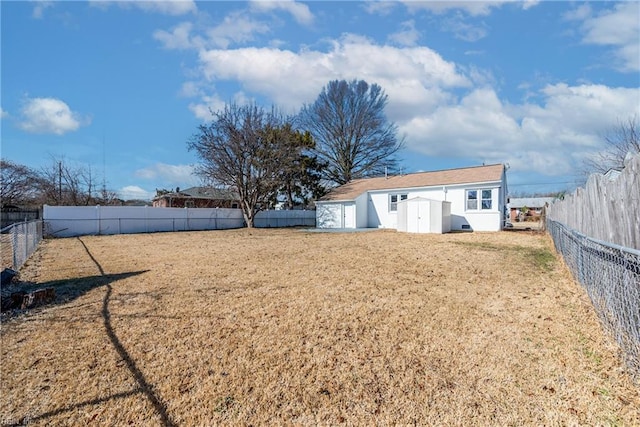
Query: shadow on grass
{"points": [[82, 286]]}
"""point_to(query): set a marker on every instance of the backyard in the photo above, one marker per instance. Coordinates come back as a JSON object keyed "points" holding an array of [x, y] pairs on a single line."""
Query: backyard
{"points": [[286, 326]]}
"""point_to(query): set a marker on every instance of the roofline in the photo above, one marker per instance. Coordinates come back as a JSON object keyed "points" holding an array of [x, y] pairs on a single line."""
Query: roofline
{"points": [[435, 186], [386, 190]]}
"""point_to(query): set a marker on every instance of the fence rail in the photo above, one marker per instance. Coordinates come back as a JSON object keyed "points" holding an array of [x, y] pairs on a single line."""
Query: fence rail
{"points": [[611, 276], [67, 221], [18, 242]]}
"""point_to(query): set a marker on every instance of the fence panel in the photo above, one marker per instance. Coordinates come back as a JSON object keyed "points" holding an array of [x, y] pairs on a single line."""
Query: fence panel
{"points": [[611, 276], [605, 209], [67, 221], [285, 218], [19, 241]]}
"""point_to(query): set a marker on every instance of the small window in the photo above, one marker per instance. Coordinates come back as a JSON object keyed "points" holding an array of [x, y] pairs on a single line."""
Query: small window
{"points": [[394, 199], [189, 204], [472, 200], [234, 205], [486, 199]]}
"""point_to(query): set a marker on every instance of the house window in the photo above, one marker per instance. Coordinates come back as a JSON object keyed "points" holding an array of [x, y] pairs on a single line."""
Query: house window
{"points": [[472, 200], [189, 204], [479, 200], [486, 199], [393, 201]]}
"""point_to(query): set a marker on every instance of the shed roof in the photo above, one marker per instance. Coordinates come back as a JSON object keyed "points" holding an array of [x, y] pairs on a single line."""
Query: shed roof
{"points": [[477, 174]]}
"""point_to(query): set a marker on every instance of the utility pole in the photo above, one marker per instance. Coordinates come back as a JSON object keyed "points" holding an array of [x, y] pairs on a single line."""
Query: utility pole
{"points": [[60, 182]]}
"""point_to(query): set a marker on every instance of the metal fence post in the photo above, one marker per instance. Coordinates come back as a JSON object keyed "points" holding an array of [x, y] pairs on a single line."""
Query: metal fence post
{"points": [[610, 275]]}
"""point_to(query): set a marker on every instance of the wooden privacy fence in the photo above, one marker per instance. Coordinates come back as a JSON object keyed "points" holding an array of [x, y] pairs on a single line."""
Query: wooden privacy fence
{"points": [[12, 216], [67, 221], [606, 209]]}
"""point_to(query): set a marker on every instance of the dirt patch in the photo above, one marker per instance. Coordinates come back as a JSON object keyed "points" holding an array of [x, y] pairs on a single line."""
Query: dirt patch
{"points": [[288, 327]]}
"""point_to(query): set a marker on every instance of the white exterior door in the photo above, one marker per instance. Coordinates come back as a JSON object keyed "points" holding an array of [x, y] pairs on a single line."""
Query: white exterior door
{"points": [[349, 215]]}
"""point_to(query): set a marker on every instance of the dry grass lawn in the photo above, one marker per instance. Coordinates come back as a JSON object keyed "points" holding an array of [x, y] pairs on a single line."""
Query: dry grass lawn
{"points": [[286, 327]]}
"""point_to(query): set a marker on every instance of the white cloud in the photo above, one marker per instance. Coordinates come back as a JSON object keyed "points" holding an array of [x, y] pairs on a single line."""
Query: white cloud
{"points": [[291, 78], [528, 4], [462, 29], [299, 11], [473, 8], [442, 108], [49, 115], [179, 37], [550, 138], [237, 27], [580, 13], [407, 36], [133, 192], [618, 27], [165, 7], [3, 113], [40, 7], [169, 175], [379, 7], [207, 104]]}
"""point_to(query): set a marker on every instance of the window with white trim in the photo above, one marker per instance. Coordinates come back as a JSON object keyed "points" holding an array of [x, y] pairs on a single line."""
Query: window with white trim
{"points": [[394, 199], [479, 200]]}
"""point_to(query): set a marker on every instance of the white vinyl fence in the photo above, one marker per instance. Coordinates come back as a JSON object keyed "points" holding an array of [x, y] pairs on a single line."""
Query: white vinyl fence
{"points": [[285, 218], [67, 221]]}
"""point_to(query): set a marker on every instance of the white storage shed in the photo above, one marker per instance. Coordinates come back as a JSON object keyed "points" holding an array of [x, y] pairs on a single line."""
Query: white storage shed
{"points": [[421, 215]]}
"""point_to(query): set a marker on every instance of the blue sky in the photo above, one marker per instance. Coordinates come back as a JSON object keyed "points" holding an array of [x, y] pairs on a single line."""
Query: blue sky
{"points": [[121, 86]]}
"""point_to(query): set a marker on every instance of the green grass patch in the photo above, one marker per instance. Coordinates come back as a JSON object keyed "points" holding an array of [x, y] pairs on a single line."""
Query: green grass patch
{"points": [[541, 258]]}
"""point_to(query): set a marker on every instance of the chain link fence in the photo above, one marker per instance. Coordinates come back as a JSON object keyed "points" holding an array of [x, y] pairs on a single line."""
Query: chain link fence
{"points": [[18, 242], [611, 276]]}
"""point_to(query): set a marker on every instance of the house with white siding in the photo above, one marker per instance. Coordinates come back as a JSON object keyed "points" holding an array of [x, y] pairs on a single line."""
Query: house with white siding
{"points": [[476, 200]]}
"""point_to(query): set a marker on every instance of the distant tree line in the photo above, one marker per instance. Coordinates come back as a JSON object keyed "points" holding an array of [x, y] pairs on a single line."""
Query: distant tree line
{"points": [[59, 183]]}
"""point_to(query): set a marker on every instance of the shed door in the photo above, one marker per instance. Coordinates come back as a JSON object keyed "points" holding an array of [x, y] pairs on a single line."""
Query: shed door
{"points": [[349, 215]]}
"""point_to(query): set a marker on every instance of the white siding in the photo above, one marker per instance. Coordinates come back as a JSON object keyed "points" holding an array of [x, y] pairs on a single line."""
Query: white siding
{"points": [[329, 215], [362, 202], [336, 214], [372, 209]]}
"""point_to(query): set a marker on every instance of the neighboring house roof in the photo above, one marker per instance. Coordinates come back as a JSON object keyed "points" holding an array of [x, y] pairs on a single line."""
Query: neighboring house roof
{"points": [[530, 202], [477, 174], [209, 193]]}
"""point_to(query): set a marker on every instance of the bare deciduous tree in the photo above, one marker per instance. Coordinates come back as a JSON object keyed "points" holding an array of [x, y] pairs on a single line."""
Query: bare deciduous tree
{"points": [[237, 150], [19, 184], [63, 183], [622, 139], [353, 136]]}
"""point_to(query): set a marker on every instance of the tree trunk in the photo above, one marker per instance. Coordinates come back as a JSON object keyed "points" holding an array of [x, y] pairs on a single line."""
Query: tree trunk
{"points": [[249, 215]]}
